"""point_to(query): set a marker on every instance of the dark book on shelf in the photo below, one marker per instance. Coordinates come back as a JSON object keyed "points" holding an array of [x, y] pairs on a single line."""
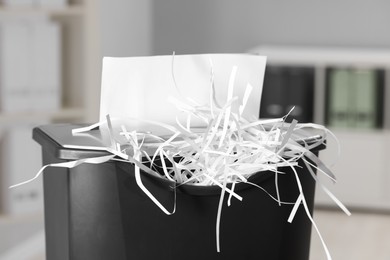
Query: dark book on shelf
{"points": [[286, 87], [274, 90], [339, 111], [354, 98], [300, 93]]}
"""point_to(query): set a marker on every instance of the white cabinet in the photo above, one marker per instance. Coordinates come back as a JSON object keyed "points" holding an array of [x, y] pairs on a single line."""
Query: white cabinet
{"points": [[80, 66], [363, 172], [79, 58], [363, 169]]}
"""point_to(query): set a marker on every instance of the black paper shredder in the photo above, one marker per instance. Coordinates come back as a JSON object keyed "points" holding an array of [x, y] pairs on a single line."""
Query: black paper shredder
{"points": [[97, 211]]}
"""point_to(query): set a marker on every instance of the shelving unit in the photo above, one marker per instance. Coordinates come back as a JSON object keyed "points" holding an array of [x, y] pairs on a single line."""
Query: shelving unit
{"points": [[363, 170], [65, 114], [71, 10], [80, 78], [80, 60]]}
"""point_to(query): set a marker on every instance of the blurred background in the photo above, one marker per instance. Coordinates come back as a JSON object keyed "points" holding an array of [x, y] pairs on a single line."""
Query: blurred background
{"points": [[329, 59]]}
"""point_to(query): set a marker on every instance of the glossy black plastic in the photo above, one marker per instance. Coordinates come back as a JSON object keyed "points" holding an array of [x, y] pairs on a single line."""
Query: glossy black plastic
{"points": [[99, 212]]}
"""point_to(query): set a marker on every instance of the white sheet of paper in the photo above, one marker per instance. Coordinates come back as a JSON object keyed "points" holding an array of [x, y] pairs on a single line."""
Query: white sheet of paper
{"points": [[139, 87]]}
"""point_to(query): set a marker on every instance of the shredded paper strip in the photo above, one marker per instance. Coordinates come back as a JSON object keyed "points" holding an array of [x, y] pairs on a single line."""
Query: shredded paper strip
{"points": [[229, 149]]}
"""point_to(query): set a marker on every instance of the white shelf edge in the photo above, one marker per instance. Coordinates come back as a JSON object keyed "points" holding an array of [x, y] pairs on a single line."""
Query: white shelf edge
{"points": [[358, 131], [316, 56], [69, 10], [6, 219], [22, 117]]}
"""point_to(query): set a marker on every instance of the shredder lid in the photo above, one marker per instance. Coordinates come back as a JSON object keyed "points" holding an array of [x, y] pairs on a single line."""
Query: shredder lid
{"points": [[96, 140], [67, 145], [57, 137], [94, 143]]}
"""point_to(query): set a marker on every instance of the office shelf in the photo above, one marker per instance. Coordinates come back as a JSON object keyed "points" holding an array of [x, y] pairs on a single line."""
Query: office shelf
{"points": [[363, 168], [80, 85]]}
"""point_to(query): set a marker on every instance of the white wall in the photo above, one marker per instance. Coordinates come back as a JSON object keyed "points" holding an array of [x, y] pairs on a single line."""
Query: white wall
{"points": [[188, 26], [144, 27], [125, 27]]}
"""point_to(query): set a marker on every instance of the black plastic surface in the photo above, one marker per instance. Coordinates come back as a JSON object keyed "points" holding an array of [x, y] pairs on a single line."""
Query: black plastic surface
{"points": [[99, 212]]}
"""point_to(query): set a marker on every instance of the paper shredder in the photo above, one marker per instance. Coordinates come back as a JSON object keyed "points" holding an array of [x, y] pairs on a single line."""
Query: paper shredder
{"points": [[98, 211]]}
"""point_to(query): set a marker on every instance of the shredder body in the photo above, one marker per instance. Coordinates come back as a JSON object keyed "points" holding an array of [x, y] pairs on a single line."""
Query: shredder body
{"points": [[99, 212]]}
